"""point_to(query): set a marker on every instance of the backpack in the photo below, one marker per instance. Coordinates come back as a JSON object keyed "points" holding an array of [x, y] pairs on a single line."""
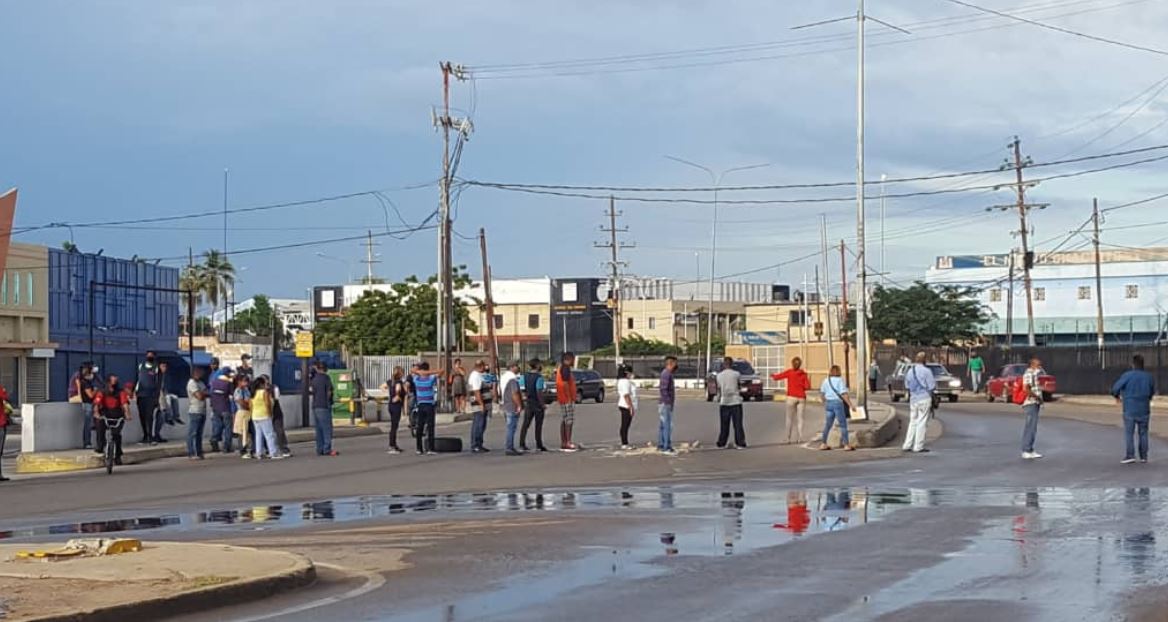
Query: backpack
{"points": [[1019, 391]]}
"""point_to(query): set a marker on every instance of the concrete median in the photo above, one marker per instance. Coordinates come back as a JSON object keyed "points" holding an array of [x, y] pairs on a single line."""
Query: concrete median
{"points": [[179, 578]]}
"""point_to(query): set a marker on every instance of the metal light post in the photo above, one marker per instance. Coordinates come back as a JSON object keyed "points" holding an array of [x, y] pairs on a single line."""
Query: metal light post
{"points": [[883, 268], [716, 180], [348, 265]]}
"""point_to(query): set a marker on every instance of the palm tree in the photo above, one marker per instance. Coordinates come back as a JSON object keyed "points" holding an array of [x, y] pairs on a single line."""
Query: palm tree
{"points": [[217, 275], [191, 282]]}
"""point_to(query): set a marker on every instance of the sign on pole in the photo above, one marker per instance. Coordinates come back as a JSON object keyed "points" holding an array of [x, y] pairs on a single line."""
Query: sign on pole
{"points": [[304, 347]]}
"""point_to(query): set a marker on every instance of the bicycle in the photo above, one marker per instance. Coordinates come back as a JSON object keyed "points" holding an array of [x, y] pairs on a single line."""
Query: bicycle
{"points": [[111, 450]]}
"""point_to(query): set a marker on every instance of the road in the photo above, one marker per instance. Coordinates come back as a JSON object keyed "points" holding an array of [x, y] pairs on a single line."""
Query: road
{"points": [[969, 530]]}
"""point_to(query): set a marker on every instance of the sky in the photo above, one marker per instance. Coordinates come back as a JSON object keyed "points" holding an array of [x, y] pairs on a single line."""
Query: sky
{"points": [[117, 112]]}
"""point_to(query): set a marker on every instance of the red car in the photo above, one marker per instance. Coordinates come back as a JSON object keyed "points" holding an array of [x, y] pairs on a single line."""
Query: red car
{"points": [[1002, 385]]}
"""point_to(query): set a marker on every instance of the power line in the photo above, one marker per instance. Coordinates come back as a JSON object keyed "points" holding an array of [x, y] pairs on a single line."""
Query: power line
{"points": [[1067, 31]]}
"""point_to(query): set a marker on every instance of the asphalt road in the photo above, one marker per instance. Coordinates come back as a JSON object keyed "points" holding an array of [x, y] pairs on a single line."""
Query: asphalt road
{"points": [[968, 532]]}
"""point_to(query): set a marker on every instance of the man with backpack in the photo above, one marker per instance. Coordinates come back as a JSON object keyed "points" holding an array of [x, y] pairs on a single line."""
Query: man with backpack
{"points": [[921, 385], [1029, 395]]}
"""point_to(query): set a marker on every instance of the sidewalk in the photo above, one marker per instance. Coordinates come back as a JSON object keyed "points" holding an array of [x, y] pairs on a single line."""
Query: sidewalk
{"points": [[162, 578], [1158, 402]]}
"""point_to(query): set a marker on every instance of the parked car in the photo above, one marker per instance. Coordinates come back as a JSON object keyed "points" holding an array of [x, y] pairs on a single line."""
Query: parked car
{"points": [[589, 385], [948, 386], [749, 385], [1001, 386]]}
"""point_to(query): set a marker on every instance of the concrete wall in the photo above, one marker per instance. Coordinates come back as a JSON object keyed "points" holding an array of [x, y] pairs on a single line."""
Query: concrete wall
{"points": [[57, 426]]}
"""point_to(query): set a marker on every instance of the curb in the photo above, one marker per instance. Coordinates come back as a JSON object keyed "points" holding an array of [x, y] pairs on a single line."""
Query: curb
{"points": [[63, 462], [199, 599], [449, 418]]}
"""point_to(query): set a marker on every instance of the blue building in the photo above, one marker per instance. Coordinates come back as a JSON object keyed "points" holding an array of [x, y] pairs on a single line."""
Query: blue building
{"points": [[128, 319]]}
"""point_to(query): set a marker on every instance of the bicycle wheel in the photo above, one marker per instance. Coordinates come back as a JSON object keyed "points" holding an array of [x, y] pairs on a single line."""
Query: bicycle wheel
{"points": [[110, 451]]}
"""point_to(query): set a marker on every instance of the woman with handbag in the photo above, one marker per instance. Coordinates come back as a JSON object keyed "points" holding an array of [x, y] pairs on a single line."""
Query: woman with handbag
{"points": [[836, 405]]}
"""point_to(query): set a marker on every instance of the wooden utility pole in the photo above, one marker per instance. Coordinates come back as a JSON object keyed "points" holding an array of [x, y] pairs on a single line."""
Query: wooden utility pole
{"points": [[1017, 163], [489, 302], [615, 264], [445, 318], [1098, 281], [844, 314], [823, 294]]}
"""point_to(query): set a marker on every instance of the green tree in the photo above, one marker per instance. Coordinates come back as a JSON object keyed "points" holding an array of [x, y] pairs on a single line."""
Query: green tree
{"points": [[925, 315], [636, 345], [398, 321], [257, 320]]}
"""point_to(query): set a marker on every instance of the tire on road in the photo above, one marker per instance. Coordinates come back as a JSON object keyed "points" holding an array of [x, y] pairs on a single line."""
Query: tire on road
{"points": [[600, 396], [1047, 396], [448, 445]]}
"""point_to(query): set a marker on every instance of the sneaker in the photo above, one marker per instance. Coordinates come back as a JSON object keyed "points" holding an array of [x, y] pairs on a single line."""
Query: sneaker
{"points": [[1143, 460], [476, 450], [332, 453], [484, 450], [1128, 461], [541, 449], [669, 452], [286, 453], [98, 451], [393, 450], [626, 447], [246, 456], [278, 457], [524, 448], [512, 452], [214, 448], [420, 453], [178, 421], [1027, 455], [431, 453], [923, 451], [740, 447], [570, 448], [1035, 455]]}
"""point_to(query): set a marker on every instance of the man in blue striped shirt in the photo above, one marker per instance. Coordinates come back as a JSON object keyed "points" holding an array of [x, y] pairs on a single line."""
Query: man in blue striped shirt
{"points": [[426, 387]]}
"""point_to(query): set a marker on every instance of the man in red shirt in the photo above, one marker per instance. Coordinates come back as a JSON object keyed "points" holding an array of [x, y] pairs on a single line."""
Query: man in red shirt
{"points": [[798, 384], [112, 402]]}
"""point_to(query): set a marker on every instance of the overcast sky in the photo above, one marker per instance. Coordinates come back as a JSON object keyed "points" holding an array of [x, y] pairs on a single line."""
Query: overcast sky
{"points": [[116, 110]]}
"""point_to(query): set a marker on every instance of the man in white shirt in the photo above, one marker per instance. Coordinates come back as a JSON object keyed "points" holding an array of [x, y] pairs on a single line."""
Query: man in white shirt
{"points": [[920, 384], [512, 403], [730, 406], [474, 389]]}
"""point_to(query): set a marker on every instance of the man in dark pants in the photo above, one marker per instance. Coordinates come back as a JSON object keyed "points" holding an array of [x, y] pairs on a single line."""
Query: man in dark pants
{"points": [[113, 402], [147, 390], [426, 383], [730, 406], [1134, 390], [321, 387], [533, 389], [222, 416]]}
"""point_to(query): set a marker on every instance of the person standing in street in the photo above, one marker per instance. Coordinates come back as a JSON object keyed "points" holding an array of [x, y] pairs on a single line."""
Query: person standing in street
{"points": [[146, 392], [1135, 389], [426, 388], [222, 422], [836, 405], [85, 383], [730, 406], [512, 400], [458, 386], [626, 401], [167, 413], [921, 386], [566, 398], [5, 421], [278, 419], [976, 370], [396, 389], [1031, 406], [873, 376], [666, 398], [533, 389], [197, 394], [261, 417], [476, 388], [321, 387], [798, 384], [242, 425]]}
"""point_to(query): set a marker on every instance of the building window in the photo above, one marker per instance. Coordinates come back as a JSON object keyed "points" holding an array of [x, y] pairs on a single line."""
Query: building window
{"points": [[533, 320], [4, 289], [652, 323], [498, 321], [30, 289], [996, 294], [797, 318], [1084, 293], [630, 323], [15, 288], [1131, 292], [1040, 293]]}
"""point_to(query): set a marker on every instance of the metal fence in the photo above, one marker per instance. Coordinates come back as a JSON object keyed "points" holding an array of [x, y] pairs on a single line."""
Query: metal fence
{"points": [[1078, 370], [374, 370]]}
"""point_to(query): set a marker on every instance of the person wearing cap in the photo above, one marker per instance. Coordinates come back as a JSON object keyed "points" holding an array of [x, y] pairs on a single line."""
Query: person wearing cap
{"points": [[512, 402], [222, 413]]}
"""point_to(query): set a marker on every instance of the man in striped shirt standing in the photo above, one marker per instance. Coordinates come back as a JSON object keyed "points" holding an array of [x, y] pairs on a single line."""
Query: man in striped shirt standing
{"points": [[426, 385]]}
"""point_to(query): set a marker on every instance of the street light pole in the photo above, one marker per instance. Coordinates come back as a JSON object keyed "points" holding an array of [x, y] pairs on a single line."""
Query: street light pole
{"points": [[716, 180]]}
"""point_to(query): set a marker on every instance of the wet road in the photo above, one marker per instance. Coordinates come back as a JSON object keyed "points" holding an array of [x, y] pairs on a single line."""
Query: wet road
{"points": [[968, 532]]}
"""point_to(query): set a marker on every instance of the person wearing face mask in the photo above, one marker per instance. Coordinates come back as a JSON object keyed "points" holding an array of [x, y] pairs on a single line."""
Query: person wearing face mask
{"points": [[112, 402], [146, 392]]}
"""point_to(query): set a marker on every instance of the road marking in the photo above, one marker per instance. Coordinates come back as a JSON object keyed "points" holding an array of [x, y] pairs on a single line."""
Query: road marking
{"points": [[373, 581]]}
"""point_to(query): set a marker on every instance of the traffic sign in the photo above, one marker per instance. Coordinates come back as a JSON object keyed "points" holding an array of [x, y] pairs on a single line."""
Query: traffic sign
{"points": [[304, 347]]}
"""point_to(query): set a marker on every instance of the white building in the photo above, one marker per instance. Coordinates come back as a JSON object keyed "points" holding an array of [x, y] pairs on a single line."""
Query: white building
{"points": [[295, 314], [1134, 294]]}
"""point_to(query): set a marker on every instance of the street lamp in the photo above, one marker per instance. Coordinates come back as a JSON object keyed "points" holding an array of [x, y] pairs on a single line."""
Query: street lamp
{"points": [[716, 180], [348, 265]]}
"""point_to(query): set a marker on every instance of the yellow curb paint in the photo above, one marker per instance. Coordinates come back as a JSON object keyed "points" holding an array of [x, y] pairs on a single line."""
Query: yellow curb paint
{"points": [[53, 463]]}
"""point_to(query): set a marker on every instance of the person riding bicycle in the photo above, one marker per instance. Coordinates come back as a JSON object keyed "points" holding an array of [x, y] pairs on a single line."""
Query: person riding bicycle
{"points": [[111, 402]]}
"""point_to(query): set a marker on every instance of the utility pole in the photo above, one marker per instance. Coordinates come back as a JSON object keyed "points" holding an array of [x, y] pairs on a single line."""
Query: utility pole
{"points": [[1010, 301], [844, 312], [1018, 163], [826, 287], [1098, 281], [225, 296], [615, 264], [489, 302], [445, 261], [370, 259]]}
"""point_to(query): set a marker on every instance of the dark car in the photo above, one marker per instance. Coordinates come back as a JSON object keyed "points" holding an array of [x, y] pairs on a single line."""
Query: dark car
{"points": [[589, 386], [1002, 385], [749, 385], [948, 386]]}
